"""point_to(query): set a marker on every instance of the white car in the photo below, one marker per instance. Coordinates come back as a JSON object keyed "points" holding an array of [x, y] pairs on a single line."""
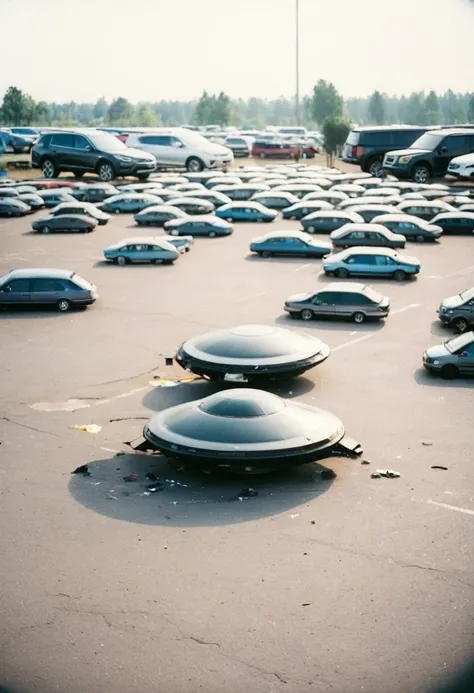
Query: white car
{"points": [[462, 166], [181, 147]]}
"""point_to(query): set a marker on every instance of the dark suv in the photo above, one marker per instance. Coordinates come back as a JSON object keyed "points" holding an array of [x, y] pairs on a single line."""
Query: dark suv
{"points": [[367, 146], [430, 154], [81, 151]]}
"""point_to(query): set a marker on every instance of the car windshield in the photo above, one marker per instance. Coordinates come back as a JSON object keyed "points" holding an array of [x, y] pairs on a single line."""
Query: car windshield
{"points": [[82, 283], [373, 295], [429, 140], [467, 294], [108, 143], [453, 345]]}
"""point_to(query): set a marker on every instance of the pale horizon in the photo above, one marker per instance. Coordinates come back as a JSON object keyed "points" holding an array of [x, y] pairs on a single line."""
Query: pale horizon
{"points": [[158, 50]]}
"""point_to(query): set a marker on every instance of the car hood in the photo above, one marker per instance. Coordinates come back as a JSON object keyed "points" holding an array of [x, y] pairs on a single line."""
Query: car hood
{"points": [[321, 244], [437, 351], [408, 152], [408, 260], [296, 298], [218, 150], [133, 154], [452, 302]]}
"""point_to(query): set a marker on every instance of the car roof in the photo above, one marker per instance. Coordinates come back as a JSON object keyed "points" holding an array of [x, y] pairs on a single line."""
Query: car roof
{"points": [[454, 131], [285, 234], [137, 239], [398, 217], [35, 273], [388, 128], [207, 218], [455, 215], [343, 286], [367, 250]]}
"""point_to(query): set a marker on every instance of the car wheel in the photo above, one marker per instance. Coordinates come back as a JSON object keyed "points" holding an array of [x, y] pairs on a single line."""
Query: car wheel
{"points": [[117, 211], [449, 372], [158, 261], [174, 232], [375, 168], [49, 169], [292, 217], [399, 275], [194, 164], [211, 234], [78, 174], [342, 273], [358, 317], [63, 305], [460, 324], [421, 174], [106, 172], [266, 254], [121, 260], [143, 176], [230, 220], [45, 229], [262, 155], [420, 238], [310, 229], [306, 314]]}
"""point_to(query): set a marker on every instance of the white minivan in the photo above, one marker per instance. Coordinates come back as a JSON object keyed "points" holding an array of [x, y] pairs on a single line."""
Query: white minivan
{"points": [[181, 147]]}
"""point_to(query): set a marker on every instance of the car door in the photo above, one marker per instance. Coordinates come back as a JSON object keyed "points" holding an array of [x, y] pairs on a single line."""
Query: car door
{"points": [[85, 156], [466, 359], [323, 304], [62, 149], [15, 292], [450, 146], [141, 252], [178, 153], [355, 238], [161, 148], [383, 265], [46, 290]]}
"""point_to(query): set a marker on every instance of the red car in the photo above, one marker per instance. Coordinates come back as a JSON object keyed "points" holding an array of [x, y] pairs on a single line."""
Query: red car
{"points": [[276, 149]]}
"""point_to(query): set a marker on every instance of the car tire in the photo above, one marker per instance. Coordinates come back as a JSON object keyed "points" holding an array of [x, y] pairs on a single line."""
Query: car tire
{"points": [[63, 305], [460, 324], [262, 155], [212, 234], [194, 164], [266, 254], [45, 229], [310, 229], [116, 211], [399, 275], [158, 261], [375, 168], [49, 169], [106, 171], [230, 220], [449, 372], [121, 260], [143, 176], [306, 314], [421, 174], [174, 232], [358, 317], [342, 273], [420, 238], [78, 174]]}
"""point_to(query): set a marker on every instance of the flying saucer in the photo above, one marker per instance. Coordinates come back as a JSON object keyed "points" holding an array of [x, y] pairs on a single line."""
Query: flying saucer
{"points": [[251, 351], [247, 428]]}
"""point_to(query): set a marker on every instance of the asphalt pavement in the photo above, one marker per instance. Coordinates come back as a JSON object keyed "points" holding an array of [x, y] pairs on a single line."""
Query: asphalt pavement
{"points": [[312, 585]]}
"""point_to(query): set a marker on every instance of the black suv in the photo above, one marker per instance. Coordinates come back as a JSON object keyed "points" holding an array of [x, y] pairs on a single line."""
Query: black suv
{"points": [[430, 154], [80, 151], [367, 146]]}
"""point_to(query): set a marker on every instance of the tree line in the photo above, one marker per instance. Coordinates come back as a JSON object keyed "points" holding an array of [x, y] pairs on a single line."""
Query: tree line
{"points": [[325, 101]]}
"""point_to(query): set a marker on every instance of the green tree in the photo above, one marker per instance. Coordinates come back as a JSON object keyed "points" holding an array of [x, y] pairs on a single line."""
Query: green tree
{"points": [[221, 112], [431, 112], [414, 109], [42, 114], [470, 109], [335, 131], [17, 108], [100, 109], [120, 111], [204, 109], [326, 102], [146, 118], [376, 108]]}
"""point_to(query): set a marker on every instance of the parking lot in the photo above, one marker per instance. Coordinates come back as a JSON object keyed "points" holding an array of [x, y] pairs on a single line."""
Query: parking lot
{"points": [[346, 584]]}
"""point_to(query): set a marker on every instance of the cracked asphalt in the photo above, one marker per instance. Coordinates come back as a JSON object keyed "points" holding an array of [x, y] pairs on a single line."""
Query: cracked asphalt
{"points": [[313, 585]]}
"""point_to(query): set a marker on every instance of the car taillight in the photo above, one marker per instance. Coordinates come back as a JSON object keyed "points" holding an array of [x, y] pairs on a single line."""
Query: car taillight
{"points": [[359, 151]]}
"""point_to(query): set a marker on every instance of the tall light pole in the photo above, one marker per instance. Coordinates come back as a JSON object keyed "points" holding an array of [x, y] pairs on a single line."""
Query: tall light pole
{"points": [[297, 61]]}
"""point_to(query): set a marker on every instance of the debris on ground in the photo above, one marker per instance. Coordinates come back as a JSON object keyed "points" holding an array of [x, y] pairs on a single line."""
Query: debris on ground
{"points": [[294, 516], [426, 443], [365, 461], [88, 428], [119, 454], [306, 604], [130, 418], [133, 476], [439, 466], [313, 522], [387, 473], [151, 477], [248, 493], [153, 488], [158, 381], [83, 469], [327, 474]]}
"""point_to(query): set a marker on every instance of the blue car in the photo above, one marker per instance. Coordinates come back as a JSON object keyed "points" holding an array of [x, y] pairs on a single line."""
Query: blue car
{"points": [[302, 209], [129, 202], [290, 243], [364, 261], [56, 196], [246, 211], [199, 225]]}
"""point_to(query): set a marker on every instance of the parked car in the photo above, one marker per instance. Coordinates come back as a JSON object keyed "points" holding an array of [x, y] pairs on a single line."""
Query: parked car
{"points": [[239, 146], [455, 222], [367, 146], [276, 149], [453, 358], [82, 208], [149, 249], [351, 235], [9, 191], [32, 133], [302, 209], [181, 147], [274, 199], [467, 208], [368, 212], [32, 200], [325, 221], [426, 209], [195, 188], [193, 205], [129, 202], [42, 287], [242, 191], [383, 262], [246, 211], [348, 300], [217, 198], [181, 243], [65, 222], [95, 192], [13, 207], [457, 201], [157, 215], [55, 197], [17, 143], [462, 166], [350, 189], [299, 190], [80, 151], [294, 243], [412, 228], [211, 183], [201, 225], [21, 189], [333, 197], [430, 155], [458, 311]]}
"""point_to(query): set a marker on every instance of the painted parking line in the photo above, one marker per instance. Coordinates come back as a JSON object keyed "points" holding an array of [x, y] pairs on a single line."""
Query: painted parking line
{"points": [[402, 310], [456, 508], [460, 272], [302, 267]]}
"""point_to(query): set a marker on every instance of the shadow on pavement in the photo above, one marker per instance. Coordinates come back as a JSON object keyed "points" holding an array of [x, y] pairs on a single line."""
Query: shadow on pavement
{"points": [[422, 377], [191, 499], [337, 324], [286, 260]]}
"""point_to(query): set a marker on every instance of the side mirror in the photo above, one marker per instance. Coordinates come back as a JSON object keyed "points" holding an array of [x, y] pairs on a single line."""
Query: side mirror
{"points": [[88, 148], [443, 150], [463, 353]]}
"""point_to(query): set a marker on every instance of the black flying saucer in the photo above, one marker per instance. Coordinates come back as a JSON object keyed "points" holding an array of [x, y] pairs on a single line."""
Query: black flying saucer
{"points": [[251, 352], [247, 429]]}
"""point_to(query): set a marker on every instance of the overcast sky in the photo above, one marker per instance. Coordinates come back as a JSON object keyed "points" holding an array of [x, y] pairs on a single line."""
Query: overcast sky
{"points": [[63, 50]]}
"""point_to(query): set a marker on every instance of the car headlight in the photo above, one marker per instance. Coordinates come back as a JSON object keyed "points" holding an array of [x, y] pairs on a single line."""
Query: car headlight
{"points": [[405, 159], [448, 312], [124, 158], [453, 166]]}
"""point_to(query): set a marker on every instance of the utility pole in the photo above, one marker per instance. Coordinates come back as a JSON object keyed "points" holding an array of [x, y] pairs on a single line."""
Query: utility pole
{"points": [[297, 62]]}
